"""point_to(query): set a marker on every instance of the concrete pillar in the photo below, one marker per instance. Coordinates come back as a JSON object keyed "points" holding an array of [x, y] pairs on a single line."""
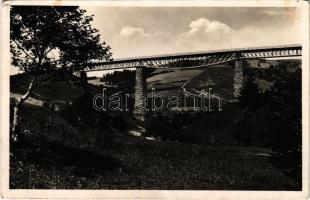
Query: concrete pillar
{"points": [[140, 105], [238, 77]]}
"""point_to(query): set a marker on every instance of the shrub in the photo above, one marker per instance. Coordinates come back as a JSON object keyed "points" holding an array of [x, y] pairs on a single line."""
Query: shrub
{"points": [[275, 117], [160, 127], [82, 113], [171, 128], [120, 123]]}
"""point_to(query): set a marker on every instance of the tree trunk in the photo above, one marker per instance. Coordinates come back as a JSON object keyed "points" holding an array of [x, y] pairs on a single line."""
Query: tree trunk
{"points": [[17, 106], [15, 117]]}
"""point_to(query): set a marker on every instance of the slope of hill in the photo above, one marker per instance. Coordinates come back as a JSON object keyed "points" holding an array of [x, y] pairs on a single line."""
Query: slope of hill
{"points": [[61, 89], [173, 76], [218, 78]]}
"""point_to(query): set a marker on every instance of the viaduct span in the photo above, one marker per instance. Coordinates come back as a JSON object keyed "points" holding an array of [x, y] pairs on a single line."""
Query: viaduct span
{"points": [[193, 60]]}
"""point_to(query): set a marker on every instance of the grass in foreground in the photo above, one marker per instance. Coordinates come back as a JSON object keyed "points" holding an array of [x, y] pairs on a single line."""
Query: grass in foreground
{"points": [[48, 160]]}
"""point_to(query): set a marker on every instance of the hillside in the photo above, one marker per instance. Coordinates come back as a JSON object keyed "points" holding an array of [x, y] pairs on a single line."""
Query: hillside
{"points": [[60, 90], [170, 77], [219, 77]]}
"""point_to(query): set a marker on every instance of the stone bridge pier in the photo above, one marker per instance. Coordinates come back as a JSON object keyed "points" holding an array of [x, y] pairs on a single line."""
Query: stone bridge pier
{"points": [[140, 104], [238, 78]]}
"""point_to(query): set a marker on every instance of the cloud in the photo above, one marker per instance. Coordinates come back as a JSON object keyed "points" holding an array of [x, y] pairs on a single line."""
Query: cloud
{"points": [[204, 32], [132, 33], [135, 41], [205, 26]]}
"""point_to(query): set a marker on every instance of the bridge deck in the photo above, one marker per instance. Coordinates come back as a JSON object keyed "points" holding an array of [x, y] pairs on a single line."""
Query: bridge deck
{"points": [[196, 59]]}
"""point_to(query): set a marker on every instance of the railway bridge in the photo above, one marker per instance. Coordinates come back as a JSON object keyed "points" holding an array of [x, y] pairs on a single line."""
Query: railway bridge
{"points": [[192, 60]]}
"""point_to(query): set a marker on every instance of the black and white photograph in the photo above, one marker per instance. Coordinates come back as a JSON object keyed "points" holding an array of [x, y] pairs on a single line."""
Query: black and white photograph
{"points": [[156, 97]]}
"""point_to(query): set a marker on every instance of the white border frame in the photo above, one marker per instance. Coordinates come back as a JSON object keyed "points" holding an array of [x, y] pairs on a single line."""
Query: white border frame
{"points": [[150, 194]]}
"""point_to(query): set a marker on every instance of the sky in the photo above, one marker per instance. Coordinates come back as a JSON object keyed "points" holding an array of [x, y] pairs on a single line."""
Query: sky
{"points": [[143, 31]]}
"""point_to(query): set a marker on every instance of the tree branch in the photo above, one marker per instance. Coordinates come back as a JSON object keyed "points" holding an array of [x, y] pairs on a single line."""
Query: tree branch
{"points": [[23, 49], [30, 88], [47, 52]]}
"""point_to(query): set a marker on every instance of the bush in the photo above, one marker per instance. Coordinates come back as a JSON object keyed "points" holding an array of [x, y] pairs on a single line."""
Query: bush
{"points": [[120, 123], [171, 128], [160, 126], [82, 113]]}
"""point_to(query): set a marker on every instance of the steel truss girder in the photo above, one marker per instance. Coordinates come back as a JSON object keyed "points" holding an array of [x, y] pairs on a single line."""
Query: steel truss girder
{"points": [[198, 59]]}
